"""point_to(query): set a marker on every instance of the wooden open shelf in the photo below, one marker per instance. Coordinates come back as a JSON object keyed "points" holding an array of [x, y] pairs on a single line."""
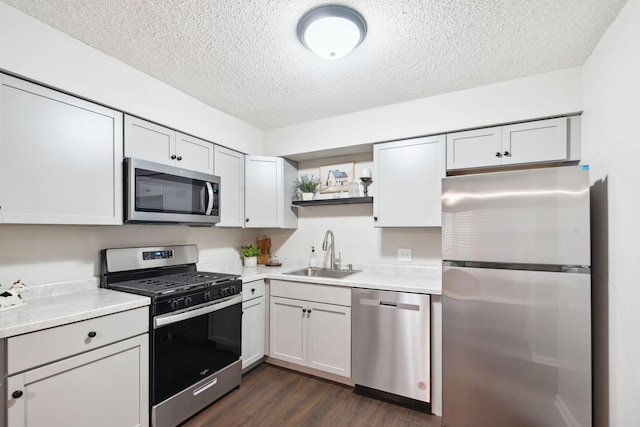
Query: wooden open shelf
{"points": [[324, 202]]}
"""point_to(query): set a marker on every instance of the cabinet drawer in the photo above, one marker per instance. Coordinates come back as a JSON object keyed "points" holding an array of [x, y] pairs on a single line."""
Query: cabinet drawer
{"points": [[312, 292], [251, 290], [38, 348]]}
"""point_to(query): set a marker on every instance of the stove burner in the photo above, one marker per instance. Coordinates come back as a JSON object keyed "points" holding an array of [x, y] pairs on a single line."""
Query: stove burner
{"points": [[160, 285]]}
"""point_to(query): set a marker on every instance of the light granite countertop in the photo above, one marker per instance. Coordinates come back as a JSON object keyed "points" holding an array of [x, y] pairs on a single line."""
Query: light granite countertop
{"points": [[422, 280], [59, 304]]}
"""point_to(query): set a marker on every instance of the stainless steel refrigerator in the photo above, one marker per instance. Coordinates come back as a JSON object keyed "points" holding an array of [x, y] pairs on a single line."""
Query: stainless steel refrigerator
{"points": [[517, 299]]}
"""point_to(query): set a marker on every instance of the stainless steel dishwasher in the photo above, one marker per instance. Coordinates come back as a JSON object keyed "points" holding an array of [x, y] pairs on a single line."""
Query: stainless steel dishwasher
{"points": [[391, 345]]}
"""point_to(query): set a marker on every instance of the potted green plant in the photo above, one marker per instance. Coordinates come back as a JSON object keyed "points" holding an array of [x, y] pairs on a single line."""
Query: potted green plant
{"points": [[250, 254], [308, 185]]}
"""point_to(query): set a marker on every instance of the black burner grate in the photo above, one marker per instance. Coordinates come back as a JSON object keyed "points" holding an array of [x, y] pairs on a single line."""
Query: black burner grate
{"points": [[174, 282]]}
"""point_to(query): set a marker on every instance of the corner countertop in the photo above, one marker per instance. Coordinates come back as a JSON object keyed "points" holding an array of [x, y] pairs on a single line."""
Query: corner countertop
{"points": [[422, 280], [48, 308], [52, 305]]}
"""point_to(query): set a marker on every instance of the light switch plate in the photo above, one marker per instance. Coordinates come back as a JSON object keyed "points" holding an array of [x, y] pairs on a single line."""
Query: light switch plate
{"points": [[404, 255]]}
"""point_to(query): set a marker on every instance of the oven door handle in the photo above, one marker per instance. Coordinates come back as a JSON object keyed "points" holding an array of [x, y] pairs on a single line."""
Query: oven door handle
{"points": [[167, 319], [210, 194]]}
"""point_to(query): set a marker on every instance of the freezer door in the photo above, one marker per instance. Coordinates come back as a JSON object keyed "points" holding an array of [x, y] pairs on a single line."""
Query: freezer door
{"points": [[537, 216], [516, 348]]}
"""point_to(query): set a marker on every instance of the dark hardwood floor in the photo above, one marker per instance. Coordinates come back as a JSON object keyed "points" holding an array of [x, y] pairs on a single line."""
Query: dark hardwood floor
{"points": [[273, 396]]}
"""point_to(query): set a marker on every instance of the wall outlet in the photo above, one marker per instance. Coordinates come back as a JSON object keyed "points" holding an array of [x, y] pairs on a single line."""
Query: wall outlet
{"points": [[404, 255]]}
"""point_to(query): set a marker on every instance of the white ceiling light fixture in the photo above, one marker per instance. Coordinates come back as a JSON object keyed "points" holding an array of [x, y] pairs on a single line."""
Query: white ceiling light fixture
{"points": [[331, 32]]}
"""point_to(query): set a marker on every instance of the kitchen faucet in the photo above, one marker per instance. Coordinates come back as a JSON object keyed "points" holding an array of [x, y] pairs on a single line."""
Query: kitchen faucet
{"points": [[335, 262]]}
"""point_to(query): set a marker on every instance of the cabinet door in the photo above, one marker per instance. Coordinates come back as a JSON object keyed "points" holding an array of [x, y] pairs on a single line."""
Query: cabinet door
{"points": [[148, 141], [263, 191], [229, 166], [474, 148], [288, 330], [194, 154], [253, 331], [539, 141], [60, 158], [329, 338], [104, 388], [407, 182]]}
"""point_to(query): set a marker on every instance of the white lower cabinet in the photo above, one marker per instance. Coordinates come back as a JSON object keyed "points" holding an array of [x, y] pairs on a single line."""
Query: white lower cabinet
{"points": [[253, 323], [104, 386], [310, 325]]}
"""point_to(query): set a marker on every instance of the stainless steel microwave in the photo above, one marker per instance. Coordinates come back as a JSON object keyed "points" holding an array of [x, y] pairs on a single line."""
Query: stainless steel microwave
{"points": [[157, 193]]}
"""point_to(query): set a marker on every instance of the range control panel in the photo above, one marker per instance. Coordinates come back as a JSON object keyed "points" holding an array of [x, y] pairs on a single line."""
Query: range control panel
{"points": [[193, 297], [152, 255]]}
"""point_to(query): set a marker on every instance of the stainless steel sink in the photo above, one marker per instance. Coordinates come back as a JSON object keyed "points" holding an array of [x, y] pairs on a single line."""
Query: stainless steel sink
{"points": [[322, 272]]}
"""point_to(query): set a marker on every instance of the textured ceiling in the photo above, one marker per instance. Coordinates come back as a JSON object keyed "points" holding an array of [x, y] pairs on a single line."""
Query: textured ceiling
{"points": [[242, 56]]}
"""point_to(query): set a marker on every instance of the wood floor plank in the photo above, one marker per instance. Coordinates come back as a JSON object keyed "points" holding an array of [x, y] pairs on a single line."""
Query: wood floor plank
{"points": [[274, 396]]}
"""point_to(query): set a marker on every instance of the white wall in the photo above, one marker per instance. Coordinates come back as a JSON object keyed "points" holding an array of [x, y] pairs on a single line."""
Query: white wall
{"points": [[38, 52], [537, 96], [40, 254], [353, 229], [542, 95], [611, 145]]}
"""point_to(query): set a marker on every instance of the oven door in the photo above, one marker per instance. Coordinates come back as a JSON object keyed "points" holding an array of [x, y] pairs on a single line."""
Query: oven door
{"points": [[161, 193], [189, 346]]}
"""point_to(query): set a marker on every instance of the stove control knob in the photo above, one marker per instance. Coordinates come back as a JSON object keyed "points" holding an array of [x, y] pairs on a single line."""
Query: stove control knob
{"points": [[233, 289], [207, 296], [187, 301], [224, 292], [174, 304]]}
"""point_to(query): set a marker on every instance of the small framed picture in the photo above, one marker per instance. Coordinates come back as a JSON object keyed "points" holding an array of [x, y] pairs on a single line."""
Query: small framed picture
{"points": [[336, 178]]}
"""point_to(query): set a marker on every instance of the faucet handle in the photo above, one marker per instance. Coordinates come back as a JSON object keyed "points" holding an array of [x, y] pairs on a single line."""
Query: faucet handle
{"points": [[337, 262], [350, 267]]}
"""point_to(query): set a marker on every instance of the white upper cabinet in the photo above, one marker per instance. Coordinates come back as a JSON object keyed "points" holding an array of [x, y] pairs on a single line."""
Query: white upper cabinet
{"points": [[229, 166], [531, 142], [539, 141], [148, 141], [194, 153], [269, 189], [60, 157], [474, 148], [407, 182]]}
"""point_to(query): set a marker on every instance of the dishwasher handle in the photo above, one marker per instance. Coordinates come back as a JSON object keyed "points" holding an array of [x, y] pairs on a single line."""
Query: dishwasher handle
{"points": [[389, 304]]}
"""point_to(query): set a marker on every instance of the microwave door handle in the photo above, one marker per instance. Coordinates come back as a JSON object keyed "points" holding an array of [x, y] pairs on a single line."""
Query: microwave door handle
{"points": [[210, 194]]}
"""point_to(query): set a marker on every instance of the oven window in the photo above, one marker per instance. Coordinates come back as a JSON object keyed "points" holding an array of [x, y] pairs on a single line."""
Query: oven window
{"points": [[160, 192], [190, 350]]}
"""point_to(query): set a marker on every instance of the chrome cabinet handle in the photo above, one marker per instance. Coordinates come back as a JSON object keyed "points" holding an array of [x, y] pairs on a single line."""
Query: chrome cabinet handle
{"points": [[506, 154], [498, 154]]}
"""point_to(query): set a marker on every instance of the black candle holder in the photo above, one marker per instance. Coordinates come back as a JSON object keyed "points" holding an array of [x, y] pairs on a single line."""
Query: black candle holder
{"points": [[366, 182]]}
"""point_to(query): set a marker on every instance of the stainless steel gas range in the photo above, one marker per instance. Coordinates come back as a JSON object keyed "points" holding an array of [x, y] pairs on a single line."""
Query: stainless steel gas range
{"points": [[195, 326]]}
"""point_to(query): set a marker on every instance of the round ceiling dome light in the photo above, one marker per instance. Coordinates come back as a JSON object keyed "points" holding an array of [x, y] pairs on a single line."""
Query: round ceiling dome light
{"points": [[331, 32]]}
